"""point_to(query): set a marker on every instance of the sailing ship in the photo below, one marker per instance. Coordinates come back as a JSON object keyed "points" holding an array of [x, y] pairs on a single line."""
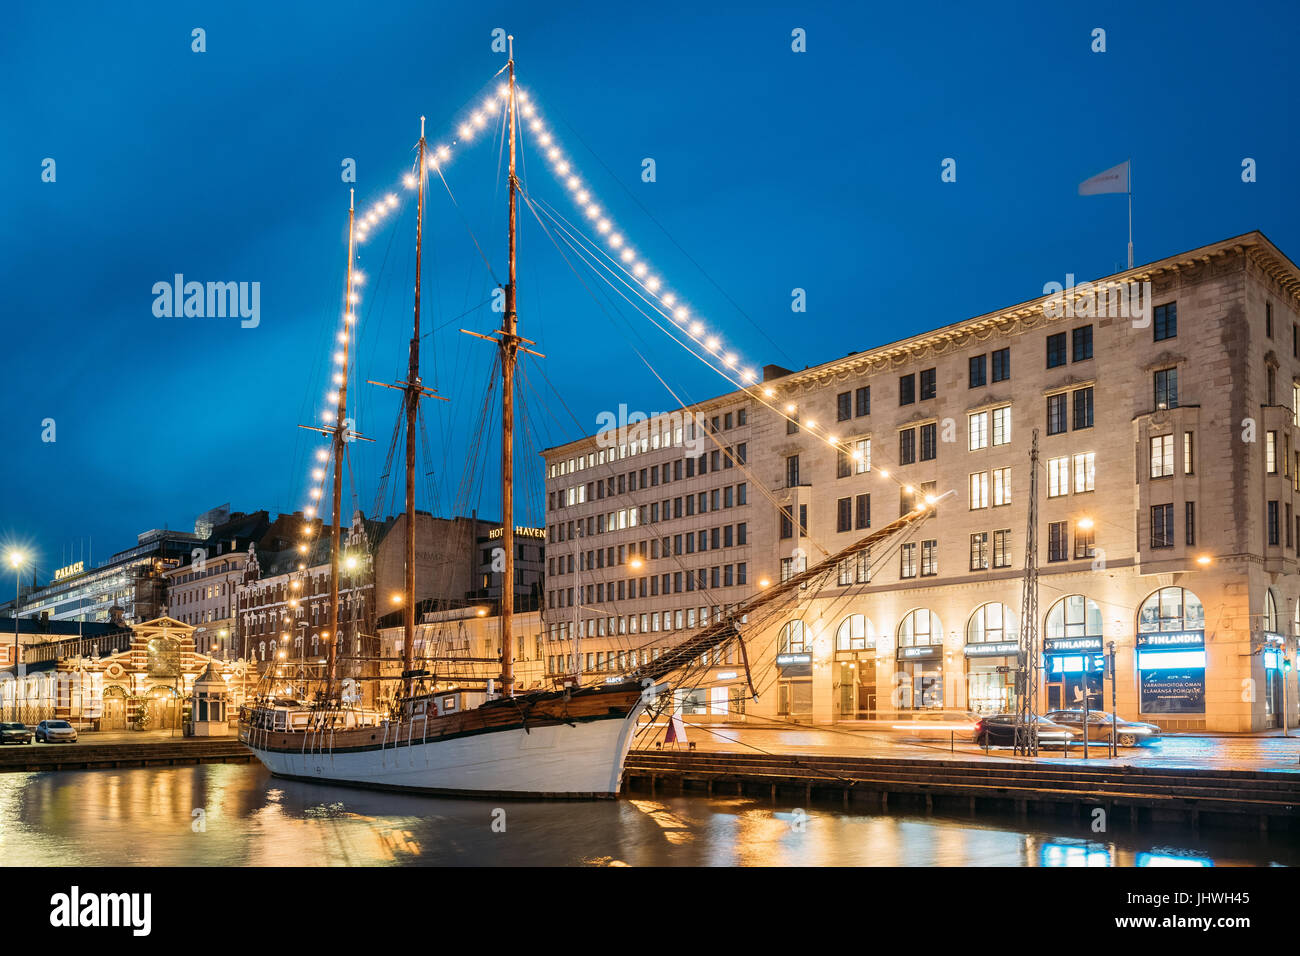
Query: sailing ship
{"points": [[568, 742]]}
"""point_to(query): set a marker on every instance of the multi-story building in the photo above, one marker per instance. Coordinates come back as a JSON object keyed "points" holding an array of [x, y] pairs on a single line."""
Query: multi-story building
{"points": [[652, 532], [473, 633], [1166, 402]]}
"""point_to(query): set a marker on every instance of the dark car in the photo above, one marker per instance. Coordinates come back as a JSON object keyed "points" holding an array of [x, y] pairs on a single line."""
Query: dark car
{"points": [[13, 732], [54, 731], [999, 730], [1101, 727]]}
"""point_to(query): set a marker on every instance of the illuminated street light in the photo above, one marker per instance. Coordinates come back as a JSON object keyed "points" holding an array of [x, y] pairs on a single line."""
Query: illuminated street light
{"points": [[1085, 524], [1205, 560]]}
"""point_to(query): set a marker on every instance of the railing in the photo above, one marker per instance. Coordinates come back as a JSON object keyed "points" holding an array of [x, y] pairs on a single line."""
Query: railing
{"points": [[77, 647]]}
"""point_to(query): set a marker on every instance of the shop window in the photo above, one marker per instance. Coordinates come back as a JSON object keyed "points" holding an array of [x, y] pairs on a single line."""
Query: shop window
{"points": [[855, 633], [1171, 609]]}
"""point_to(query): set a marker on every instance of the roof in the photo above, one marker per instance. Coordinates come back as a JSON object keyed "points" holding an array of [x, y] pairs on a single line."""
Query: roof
{"points": [[29, 625]]}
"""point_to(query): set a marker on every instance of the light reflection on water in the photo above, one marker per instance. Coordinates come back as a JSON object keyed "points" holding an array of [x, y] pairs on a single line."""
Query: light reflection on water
{"points": [[249, 818]]}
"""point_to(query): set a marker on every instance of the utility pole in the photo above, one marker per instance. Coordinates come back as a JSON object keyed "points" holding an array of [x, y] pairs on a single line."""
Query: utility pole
{"points": [[1114, 707], [1027, 679]]}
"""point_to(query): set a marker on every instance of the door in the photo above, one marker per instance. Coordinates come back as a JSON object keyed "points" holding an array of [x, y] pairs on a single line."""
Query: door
{"points": [[846, 689], [866, 689]]}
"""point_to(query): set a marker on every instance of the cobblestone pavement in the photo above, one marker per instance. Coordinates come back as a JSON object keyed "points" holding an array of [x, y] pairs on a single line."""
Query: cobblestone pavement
{"points": [[1224, 752]]}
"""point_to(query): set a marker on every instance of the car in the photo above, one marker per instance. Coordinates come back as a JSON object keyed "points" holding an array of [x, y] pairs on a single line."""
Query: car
{"points": [[999, 730], [55, 731], [1100, 727], [12, 732]]}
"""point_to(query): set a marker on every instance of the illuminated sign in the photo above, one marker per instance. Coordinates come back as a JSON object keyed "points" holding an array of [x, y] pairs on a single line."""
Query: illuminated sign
{"points": [[69, 571], [992, 649], [788, 660], [1064, 645], [1172, 639], [520, 532], [926, 652]]}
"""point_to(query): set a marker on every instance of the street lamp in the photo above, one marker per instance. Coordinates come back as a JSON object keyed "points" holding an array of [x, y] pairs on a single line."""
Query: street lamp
{"points": [[16, 560]]}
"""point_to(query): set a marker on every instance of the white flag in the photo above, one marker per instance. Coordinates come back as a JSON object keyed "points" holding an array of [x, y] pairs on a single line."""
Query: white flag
{"points": [[1113, 180]]}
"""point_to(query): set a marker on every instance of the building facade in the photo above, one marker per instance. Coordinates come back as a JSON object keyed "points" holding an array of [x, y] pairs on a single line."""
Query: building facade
{"points": [[1166, 401]]}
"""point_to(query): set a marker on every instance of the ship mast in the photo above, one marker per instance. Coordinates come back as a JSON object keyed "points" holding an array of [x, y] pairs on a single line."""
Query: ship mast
{"points": [[331, 642], [412, 390], [509, 352]]}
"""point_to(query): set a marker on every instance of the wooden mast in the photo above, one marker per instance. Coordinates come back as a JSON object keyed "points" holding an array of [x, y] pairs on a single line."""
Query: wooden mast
{"points": [[509, 352], [412, 410], [331, 642]]}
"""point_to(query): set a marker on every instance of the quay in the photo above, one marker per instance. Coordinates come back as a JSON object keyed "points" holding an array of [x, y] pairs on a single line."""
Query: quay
{"points": [[129, 750], [1129, 795]]}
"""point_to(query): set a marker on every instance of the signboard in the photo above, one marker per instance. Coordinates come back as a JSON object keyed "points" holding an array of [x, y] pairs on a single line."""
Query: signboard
{"points": [[1171, 639], [520, 532], [1179, 690], [69, 571], [795, 665], [928, 652], [993, 649], [1071, 645]]}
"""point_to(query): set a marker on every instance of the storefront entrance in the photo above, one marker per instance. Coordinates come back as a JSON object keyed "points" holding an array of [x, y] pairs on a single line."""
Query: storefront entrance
{"points": [[1070, 676], [855, 690]]}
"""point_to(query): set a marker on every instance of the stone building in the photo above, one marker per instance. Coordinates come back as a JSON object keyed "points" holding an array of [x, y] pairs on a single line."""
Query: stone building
{"points": [[1166, 399]]}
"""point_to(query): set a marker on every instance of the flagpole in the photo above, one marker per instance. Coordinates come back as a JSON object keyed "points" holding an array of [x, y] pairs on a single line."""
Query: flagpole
{"points": [[1130, 213]]}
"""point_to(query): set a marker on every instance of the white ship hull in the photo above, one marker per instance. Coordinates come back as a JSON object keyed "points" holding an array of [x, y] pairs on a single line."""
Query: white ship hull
{"points": [[583, 759]]}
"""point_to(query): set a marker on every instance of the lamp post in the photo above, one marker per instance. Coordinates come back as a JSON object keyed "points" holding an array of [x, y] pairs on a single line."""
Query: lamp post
{"points": [[16, 559]]}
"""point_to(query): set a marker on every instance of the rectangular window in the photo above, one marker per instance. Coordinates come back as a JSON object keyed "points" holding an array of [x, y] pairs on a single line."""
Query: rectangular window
{"points": [[1273, 535], [1189, 519], [1162, 456], [906, 389], [907, 560], [1162, 526], [1056, 350], [1002, 425], [1166, 388], [1081, 343], [843, 406], [1189, 448], [978, 427], [1166, 321], [928, 380], [907, 446], [1002, 365], [978, 371], [929, 441], [1002, 548], [792, 471], [1270, 452], [844, 514], [862, 401], [1085, 472], [1001, 486], [979, 551], [863, 507], [929, 558], [1058, 541], [1082, 408], [1058, 477], [787, 521], [1056, 414], [842, 466], [979, 490], [1085, 543], [861, 455]]}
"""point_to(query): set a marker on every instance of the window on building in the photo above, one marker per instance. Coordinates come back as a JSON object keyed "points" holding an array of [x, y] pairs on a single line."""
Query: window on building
{"points": [[1081, 343], [1056, 350], [907, 446], [1085, 472], [1002, 425], [1189, 521], [1058, 477], [1268, 319], [855, 633], [1162, 456], [1058, 541], [979, 490], [792, 471], [1082, 408], [907, 389], [1270, 452], [929, 441], [1171, 609], [787, 521], [1273, 520], [843, 468], [1162, 526], [907, 560], [1001, 486], [929, 558], [791, 421], [843, 406], [1085, 542], [928, 384], [979, 551], [1056, 414], [1002, 548], [978, 428], [844, 514], [861, 455], [1165, 321], [978, 370], [862, 401], [1002, 365], [863, 511]]}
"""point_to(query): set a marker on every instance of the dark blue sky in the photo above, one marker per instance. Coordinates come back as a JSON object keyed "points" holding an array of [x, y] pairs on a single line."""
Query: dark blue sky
{"points": [[775, 170]]}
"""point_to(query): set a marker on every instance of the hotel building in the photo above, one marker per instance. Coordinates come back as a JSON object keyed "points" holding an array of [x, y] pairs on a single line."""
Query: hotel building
{"points": [[1166, 400]]}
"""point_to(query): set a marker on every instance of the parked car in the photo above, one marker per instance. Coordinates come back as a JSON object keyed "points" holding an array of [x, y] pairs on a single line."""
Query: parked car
{"points": [[13, 732], [999, 730], [55, 731], [1129, 733]]}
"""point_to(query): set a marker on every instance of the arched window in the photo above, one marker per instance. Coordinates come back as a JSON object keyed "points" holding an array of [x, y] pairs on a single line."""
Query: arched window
{"points": [[1074, 616], [792, 638], [855, 633], [919, 628], [1171, 609], [991, 623], [1270, 612]]}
